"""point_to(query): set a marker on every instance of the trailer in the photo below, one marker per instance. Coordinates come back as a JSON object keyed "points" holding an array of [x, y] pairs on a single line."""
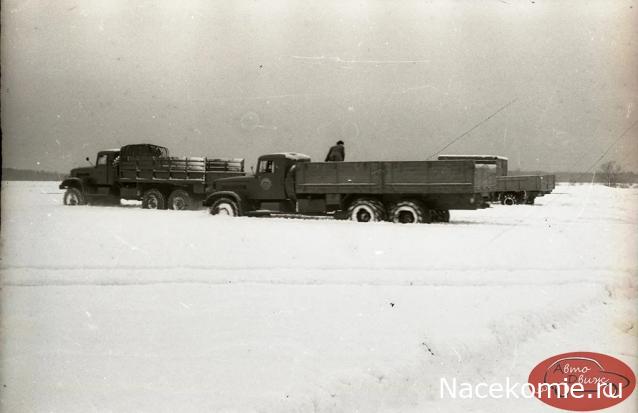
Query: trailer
{"points": [[411, 191], [519, 189], [147, 173], [511, 189]]}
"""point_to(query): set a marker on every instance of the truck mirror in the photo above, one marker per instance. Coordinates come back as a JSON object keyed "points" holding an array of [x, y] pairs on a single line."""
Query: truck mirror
{"points": [[87, 159], [252, 169]]}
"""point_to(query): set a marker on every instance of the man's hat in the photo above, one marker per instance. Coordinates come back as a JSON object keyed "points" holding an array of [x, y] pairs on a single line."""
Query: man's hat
{"points": [[339, 142]]}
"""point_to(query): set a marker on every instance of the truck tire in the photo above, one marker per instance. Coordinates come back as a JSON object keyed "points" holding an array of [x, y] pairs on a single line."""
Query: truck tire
{"points": [[180, 200], [224, 206], [153, 199], [440, 215], [73, 196], [508, 199], [366, 210], [409, 212]]}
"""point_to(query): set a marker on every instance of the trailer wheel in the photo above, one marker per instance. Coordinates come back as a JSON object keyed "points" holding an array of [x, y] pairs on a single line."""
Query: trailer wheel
{"points": [[508, 199], [180, 200], [74, 196], [224, 206], [409, 212], [366, 210], [440, 215], [153, 199]]}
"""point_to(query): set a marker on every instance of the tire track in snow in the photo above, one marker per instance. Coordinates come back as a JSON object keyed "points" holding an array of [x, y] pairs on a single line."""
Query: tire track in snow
{"points": [[373, 268], [441, 280]]}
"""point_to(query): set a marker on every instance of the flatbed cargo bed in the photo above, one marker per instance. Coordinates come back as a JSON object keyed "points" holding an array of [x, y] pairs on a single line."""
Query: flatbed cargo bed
{"points": [[412, 177]]}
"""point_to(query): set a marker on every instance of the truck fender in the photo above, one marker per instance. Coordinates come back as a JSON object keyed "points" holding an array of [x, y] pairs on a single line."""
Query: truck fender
{"points": [[72, 183], [220, 194]]}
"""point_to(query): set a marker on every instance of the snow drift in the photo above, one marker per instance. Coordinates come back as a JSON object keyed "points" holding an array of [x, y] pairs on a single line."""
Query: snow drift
{"points": [[124, 309]]}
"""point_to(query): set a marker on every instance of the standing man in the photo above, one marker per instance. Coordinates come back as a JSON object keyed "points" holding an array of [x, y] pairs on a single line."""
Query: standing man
{"points": [[336, 153]]}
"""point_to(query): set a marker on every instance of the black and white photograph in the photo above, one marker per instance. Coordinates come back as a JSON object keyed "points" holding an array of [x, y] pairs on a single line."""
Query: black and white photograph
{"points": [[375, 206]]}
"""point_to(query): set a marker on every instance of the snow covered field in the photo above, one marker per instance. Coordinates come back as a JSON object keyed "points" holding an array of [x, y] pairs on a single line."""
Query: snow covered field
{"points": [[123, 309]]}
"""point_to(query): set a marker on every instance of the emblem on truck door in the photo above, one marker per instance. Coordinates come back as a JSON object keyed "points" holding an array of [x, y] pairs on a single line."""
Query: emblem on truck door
{"points": [[265, 184]]}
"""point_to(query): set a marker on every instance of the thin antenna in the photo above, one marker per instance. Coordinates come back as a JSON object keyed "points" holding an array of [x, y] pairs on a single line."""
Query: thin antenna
{"points": [[472, 128], [622, 135]]}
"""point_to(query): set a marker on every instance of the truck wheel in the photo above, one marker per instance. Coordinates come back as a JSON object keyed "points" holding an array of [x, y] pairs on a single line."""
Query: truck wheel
{"points": [[153, 199], [409, 212], [366, 210], [180, 200], [74, 196], [508, 199], [224, 206]]}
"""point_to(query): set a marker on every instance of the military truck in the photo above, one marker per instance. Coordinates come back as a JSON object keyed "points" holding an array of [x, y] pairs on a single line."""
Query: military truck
{"points": [[513, 189], [403, 192], [147, 173]]}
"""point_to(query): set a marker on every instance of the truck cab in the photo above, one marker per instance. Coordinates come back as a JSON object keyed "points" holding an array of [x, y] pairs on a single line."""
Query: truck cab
{"points": [[96, 179], [273, 172], [105, 171], [271, 187]]}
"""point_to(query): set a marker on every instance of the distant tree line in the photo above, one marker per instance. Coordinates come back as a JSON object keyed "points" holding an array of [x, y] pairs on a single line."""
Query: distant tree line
{"points": [[12, 174], [609, 173]]}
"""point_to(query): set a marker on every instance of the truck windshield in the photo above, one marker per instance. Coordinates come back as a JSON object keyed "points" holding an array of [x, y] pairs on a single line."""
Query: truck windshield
{"points": [[101, 159], [267, 166]]}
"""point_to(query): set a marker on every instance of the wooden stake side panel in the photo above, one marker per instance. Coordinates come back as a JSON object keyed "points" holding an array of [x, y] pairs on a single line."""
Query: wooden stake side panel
{"points": [[177, 168]]}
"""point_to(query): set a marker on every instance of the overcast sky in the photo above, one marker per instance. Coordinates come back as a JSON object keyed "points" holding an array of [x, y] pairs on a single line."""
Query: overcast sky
{"points": [[395, 80]]}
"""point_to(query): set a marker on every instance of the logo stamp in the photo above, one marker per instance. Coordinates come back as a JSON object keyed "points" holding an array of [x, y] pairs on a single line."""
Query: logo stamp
{"points": [[582, 381], [265, 184]]}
